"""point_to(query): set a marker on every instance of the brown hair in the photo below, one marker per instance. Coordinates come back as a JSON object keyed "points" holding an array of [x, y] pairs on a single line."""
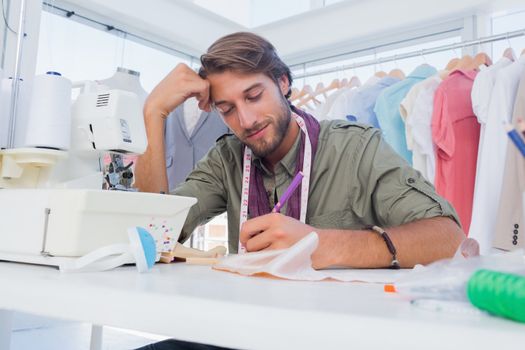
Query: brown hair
{"points": [[246, 53]]}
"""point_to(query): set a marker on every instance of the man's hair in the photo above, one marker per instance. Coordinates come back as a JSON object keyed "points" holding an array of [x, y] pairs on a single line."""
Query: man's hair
{"points": [[244, 52]]}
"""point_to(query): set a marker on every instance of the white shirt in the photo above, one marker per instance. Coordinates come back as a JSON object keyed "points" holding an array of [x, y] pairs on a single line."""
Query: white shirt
{"points": [[321, 112], [340, 106], [491, 160], [192, 114], [416, 110], [481, 96]]}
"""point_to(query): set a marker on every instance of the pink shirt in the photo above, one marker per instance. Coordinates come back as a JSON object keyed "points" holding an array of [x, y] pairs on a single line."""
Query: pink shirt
{"points": [[455, 133]]}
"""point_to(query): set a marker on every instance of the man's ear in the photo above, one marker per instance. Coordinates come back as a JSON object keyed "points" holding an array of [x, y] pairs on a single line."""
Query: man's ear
{"points": [[284, 84]]}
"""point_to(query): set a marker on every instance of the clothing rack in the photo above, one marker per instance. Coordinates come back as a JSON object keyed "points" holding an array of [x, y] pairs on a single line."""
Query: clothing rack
{"points": [[420, 53]]}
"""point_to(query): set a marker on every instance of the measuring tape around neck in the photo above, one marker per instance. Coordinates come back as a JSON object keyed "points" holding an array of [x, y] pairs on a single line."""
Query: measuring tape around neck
{"points": [[305, 183]]}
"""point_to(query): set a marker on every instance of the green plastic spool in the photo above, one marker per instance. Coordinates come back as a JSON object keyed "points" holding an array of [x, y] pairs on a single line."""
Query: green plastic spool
{"points": [[501, 294]]}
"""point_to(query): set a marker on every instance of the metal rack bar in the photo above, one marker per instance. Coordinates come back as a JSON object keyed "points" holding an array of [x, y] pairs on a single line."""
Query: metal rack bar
{"points": [[423, 52]]}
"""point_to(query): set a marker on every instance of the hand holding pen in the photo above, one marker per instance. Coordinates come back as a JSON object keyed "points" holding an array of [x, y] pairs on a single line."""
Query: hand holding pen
{"points": [[274, 231]]}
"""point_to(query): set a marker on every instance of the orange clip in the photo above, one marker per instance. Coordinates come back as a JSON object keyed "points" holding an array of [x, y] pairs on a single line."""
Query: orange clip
{"points": [[389, 288]]}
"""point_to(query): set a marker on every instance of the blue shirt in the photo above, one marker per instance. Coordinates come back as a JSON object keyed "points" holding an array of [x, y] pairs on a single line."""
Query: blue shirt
{"points": [[361, 107], [387, 110]]}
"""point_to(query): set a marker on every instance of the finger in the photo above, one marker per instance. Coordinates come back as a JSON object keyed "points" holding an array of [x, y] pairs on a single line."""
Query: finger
{"points": [[204, 98], [259, 242], [255, 226]]}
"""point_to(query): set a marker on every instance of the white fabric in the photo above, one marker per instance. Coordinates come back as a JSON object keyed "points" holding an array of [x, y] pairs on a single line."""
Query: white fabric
{"points": [[295, 263], [491, 160], [192, 114], [416, 110], [482, 89], [321, 112], [481, 96], [340, 106]]}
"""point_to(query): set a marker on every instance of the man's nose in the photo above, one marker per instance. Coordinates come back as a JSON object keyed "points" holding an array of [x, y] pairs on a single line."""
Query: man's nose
{"points": [[246, 117]]}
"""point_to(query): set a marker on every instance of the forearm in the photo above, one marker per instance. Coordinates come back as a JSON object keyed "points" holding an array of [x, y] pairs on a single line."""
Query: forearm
{"points": [[150, 171], [419, 242]]}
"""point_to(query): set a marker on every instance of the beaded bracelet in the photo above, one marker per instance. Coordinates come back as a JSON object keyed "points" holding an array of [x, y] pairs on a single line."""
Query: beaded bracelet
{"points": [[394, 264]]}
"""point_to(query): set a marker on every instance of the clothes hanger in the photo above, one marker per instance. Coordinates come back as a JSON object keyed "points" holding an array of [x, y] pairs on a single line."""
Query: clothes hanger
{"points": [[479, 59], [294, 94], [319, 89], [452, 64], [466, 62], [397, 73], [354, 81], [303, 92], [334, 85], [381, 73], [309, 96], [509, 53]]}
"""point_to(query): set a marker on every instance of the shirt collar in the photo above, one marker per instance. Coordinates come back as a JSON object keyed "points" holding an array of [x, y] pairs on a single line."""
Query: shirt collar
{"points": [[387, 81], [288, 162], [471, 74], [422, 72]]}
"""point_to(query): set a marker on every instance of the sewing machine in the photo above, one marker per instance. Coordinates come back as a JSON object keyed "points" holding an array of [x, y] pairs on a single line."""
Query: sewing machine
{"points": [[57, 204]]}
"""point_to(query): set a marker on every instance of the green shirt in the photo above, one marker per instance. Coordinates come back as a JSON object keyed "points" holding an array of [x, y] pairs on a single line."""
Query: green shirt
{"points": [[356, 180]]}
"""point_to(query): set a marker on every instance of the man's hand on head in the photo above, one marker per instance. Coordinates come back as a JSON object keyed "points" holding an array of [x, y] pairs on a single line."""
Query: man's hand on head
{"points": [[179, 85], [272, 231]]}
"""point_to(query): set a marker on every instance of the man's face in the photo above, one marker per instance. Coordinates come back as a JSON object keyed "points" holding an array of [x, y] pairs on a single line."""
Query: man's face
{"points": [[253, 107]]}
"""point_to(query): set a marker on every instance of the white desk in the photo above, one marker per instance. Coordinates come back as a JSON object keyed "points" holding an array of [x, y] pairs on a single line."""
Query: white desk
{"points": [[195, 303]]}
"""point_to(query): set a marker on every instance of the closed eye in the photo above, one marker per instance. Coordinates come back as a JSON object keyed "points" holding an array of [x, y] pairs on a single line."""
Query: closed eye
{"points": [[227, 111], [254, 98]]}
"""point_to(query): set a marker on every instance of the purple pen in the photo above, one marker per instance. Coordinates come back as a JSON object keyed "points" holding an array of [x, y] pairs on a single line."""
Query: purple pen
{"points": [[289, 191]]}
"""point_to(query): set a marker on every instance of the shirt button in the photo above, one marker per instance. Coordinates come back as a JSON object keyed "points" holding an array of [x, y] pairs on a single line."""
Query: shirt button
{"points": [[516, 226], [411, 180]]}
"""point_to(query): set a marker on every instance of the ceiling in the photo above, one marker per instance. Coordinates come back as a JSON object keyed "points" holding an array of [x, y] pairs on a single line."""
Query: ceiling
{"points": [[254, 13], [301, 30]]}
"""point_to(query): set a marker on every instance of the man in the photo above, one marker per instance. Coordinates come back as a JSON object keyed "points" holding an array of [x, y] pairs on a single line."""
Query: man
{"points": [[356, 179]]}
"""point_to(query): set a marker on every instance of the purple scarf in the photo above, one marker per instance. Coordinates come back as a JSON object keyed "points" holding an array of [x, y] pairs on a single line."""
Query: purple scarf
{"points": [[258, 203]]}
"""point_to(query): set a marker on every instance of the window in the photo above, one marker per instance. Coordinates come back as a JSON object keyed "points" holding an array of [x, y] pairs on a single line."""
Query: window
{"points": [[81, 52], [504, 23]]}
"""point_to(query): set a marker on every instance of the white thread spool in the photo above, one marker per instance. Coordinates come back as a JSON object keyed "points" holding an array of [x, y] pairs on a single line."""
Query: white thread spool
{"points": [[49, 123]]}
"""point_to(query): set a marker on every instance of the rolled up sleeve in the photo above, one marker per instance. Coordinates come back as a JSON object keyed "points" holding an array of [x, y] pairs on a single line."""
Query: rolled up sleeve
{"points": [[399, 194]]}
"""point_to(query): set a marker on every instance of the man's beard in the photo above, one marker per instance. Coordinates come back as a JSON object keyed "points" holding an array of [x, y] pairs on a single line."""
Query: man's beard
{"points": [[263, 147]]}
